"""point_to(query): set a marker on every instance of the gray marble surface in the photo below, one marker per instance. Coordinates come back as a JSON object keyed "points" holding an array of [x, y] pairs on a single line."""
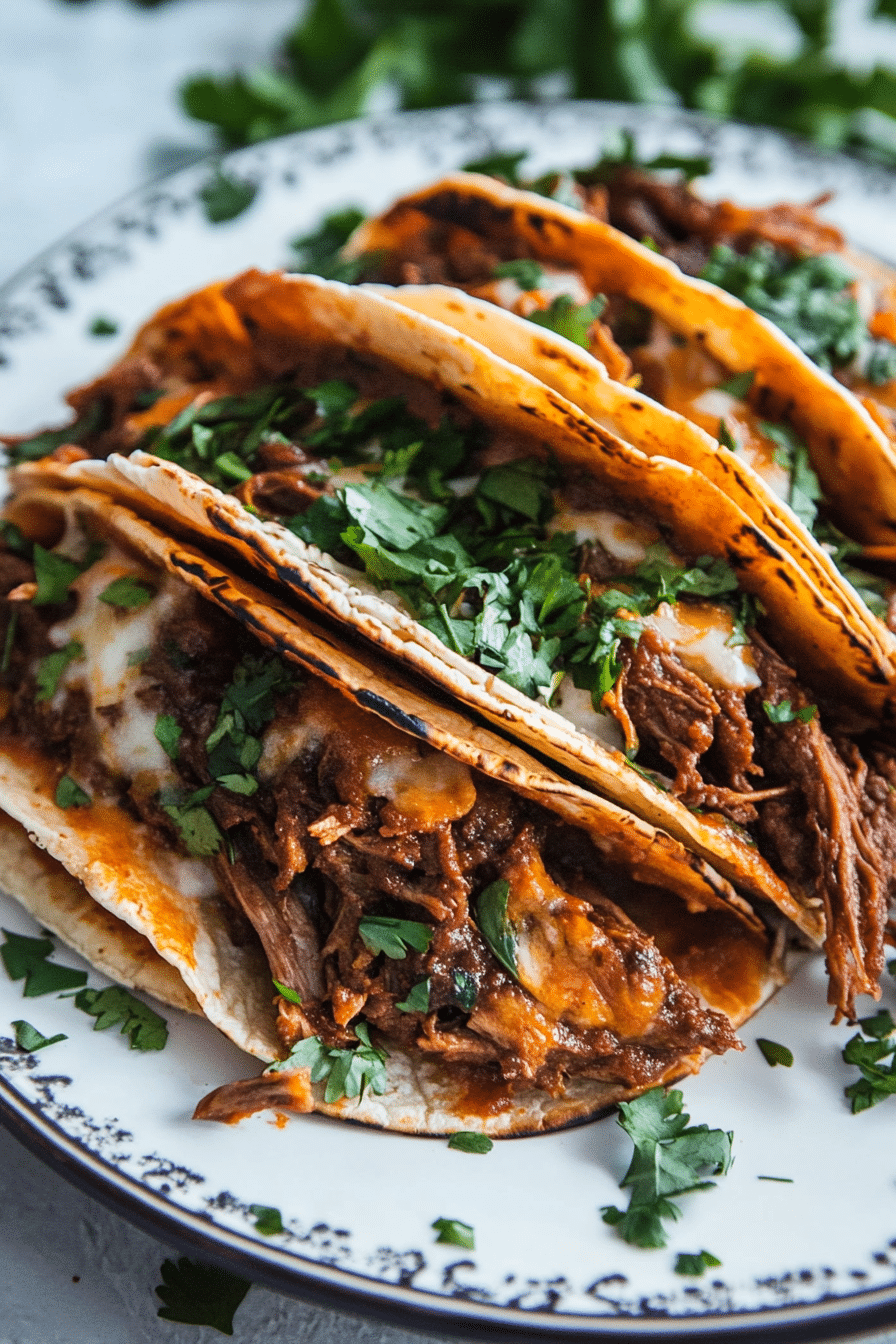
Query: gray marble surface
{"points": [[86, 115]]}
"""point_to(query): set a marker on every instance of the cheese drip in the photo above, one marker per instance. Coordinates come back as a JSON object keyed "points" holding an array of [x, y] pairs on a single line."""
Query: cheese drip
{"points": [[109, 635]]}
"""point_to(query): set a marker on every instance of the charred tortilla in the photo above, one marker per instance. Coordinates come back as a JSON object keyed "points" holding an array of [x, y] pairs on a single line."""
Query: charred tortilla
{"points": [[266, 810], [729, 731]]}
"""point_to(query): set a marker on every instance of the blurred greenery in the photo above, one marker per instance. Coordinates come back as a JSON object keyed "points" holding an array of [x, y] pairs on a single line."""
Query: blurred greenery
{"points": [[430, 54]]}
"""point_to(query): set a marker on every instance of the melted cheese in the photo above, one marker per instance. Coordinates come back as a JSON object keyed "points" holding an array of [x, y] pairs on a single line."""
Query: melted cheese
{"points": [[108, 636], [575, 705], [699, 632], [625, 540]]}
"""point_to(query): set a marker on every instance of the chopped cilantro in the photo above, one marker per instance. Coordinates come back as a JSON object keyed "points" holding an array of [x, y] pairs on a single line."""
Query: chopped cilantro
{"points": [[528, 274], [495, 927], [381, 933], [268, 1221], [792, 454], [247, 706], [807, 297], [726, 438], [695, 1265], [569, 319], [144, 1029], [785, 713], [781, 1180], [103, 326], [348, 1073], [138, 656], [41, 445], [127, 592], [879, 362], [872, 589], [452, 1232], [168, 732], [465, 1141], [868, 1050], [465, 990], [319, 251], [70, 794], [224, 196], [14, 539], [51, 667], [774, 1054], [198, 1294], [670, 1158], [26, 959], [291, 995], [198, 828], [500, 163], [417, 1000], [54, 575], [30, 1039], [739, 385]]}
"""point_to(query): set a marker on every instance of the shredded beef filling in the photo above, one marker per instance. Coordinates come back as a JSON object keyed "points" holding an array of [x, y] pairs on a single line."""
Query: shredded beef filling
{"points": [[317, 848]]}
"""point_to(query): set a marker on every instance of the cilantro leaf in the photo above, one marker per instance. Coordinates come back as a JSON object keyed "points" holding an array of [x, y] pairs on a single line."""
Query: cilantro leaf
{"points": [[103, 326], [127, 592], [26, 959], [739, 385], [319, 251], [774, 1053], [381, 933], [500, 163], [139, 656], [417, 1000], [695, 1265], [268, 1221], [465, 990], [528, 274], [570, 319], [54, 575], [347, 1072], [167, 733], [467, 1142], [495, 927], [785, 713], [145, 1029], [225, 196], [51, 667], [291, 995], [30, 1039], [41, 445], [198, 1294], [14, 539], [452, 1232], [197, 827], [792, 454], [70, 794], [670, 1158]]}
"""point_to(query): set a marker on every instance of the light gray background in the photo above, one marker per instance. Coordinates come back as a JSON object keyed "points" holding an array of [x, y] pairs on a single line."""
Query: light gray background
{"points": [[87, 113]]}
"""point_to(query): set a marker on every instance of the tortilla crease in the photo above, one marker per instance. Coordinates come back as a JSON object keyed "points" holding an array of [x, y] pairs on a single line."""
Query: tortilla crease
{"points": [[115, 861], [297, 323], [845, 443], [657, 431]]}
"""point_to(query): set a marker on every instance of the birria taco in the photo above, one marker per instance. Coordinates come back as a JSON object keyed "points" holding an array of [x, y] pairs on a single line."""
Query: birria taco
{"points": [[616, 613], [690, 345], [429, 929]]}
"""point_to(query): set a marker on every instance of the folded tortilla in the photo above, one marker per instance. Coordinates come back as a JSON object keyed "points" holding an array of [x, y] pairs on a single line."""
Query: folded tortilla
{"points": [[810, 838], [319, 853]]}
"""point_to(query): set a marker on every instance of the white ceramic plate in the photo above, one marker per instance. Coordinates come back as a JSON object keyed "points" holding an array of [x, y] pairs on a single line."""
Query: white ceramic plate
{"points": [[810, 1259]]}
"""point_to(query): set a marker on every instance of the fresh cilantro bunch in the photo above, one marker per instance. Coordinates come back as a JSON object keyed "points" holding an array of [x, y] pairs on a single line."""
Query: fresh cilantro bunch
{"points": [[671, 1157]]}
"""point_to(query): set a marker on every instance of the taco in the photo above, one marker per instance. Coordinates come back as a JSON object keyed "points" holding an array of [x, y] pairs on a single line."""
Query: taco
{"points": [[693, 347], [617, 614], [429, 929]]}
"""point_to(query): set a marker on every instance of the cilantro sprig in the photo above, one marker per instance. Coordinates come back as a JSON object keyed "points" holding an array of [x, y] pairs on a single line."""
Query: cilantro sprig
{"points": [[868, 1050], [194, 1293], [347, 1072], [671, 1157], [116, 1007]]}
